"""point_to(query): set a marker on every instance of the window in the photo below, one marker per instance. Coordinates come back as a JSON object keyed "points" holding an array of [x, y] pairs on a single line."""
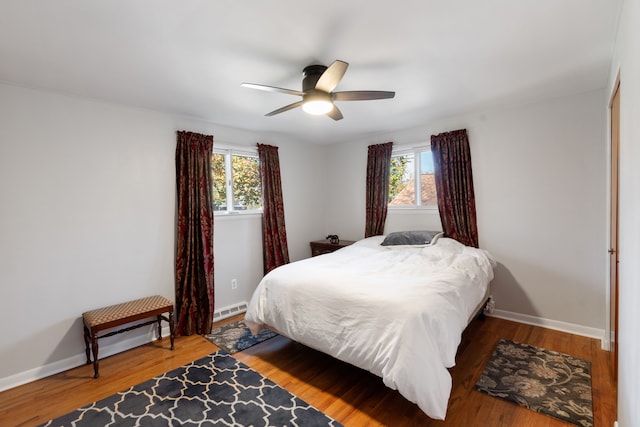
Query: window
{"points": [[235, 177], [404, 190]]}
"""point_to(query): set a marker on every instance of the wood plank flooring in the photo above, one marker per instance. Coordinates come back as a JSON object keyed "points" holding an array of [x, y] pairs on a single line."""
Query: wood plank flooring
{"points": [[352, 396]]}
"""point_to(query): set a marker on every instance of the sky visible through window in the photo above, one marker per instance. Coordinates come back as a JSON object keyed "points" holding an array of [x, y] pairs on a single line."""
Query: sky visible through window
{"points": [[426, 162]]}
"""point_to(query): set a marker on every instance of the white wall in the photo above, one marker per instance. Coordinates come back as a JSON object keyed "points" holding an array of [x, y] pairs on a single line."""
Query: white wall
{"points": [[87, 219], [627, 63], [540, 182]]}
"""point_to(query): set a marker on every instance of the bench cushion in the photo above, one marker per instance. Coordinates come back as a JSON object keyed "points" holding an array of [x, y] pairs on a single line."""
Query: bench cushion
{"points": [[127, 310]]}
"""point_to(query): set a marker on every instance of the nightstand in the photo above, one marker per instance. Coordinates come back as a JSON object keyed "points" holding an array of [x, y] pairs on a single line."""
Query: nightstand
{"points": [[320, 247]]}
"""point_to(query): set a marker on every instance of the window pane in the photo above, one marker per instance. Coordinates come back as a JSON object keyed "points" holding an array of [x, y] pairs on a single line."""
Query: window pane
{"points": [[247, 192], [402, 191], [427, 180], [218, 182], [426, 162]]}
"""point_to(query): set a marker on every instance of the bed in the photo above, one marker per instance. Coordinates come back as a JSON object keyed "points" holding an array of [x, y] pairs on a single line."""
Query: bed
{"points": [[397, 311]]}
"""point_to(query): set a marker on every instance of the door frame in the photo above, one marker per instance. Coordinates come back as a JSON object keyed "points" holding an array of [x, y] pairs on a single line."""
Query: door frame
{"points": [[612, 297]]}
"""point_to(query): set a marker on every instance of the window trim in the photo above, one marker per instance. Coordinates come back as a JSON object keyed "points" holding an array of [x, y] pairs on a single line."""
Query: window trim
{"points": [[228, 151], [415, 150]]}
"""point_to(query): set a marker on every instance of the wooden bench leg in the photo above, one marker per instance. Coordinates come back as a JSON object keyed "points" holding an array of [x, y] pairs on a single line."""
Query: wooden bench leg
{"points": [[87, 340], [94, 347], [159, 317], [171, 333]]}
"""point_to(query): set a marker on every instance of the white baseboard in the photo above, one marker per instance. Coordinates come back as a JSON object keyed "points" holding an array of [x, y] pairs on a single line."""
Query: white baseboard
{"points": [[79, 359], [557, 325]]}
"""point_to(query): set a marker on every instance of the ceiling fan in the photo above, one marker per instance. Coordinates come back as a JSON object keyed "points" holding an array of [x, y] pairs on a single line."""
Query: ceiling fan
{"points": [[317, 91]]}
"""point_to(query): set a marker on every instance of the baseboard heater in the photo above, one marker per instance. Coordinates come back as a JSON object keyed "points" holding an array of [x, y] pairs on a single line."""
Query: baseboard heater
{"points": [[230, 310]]}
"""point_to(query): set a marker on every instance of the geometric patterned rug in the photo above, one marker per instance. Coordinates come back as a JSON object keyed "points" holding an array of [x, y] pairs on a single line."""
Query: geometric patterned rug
{"points": [[544, 381], [215, 390], [236, 336]]}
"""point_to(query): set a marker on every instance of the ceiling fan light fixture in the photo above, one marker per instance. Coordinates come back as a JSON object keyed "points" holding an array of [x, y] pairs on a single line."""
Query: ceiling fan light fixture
{"points": [[317, 107], [317, 103]]}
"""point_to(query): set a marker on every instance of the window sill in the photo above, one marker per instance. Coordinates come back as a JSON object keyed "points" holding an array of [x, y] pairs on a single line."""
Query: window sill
{"points": [[413, 210], [236, 215]]}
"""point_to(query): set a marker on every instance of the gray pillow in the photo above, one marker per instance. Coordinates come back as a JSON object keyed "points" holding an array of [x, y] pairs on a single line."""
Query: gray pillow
{"points": [[411, 238]]}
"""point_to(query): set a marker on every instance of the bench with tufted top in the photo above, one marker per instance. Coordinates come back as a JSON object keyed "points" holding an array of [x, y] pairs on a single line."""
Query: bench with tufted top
{"points": [[121, 314]]}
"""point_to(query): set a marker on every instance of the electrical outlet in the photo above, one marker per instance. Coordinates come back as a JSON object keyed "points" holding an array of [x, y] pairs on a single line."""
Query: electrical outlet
{"points": [[234, 283]]}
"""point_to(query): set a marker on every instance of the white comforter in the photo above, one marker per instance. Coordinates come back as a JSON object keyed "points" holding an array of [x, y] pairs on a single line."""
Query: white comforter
{"points": [[397, 312]]}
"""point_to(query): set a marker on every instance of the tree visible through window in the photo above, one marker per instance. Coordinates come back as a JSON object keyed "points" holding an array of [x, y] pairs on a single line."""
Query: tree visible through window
{"points": [[235, 181], [404, 189]]}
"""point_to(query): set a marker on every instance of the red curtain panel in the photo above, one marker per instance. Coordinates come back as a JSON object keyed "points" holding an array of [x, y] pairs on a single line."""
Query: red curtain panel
{"points": [[454, 186], [274, 232], [194, 234], [377, 191]]}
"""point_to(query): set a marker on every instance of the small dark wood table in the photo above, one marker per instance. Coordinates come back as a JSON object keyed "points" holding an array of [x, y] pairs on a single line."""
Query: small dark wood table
{"points": [[320, 247], [121, 314]]}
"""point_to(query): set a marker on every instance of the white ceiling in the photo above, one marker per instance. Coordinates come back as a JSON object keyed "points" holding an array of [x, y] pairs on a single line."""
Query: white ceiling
{"points": [[189, 57]]}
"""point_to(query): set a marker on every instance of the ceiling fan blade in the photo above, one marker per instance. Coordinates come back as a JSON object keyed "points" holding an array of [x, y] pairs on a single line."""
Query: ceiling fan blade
{"points": [[332, 76], [335, 113], [272, 89], [362, 95], [285, 108]]}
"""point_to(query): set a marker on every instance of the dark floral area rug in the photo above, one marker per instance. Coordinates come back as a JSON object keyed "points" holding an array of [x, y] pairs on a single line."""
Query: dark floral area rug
{"points": [[544, 381], [236, 337], [214, 390]]}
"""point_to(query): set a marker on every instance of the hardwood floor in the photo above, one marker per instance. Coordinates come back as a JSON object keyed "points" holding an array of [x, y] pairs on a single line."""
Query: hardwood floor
{"points": [[348, 394]]}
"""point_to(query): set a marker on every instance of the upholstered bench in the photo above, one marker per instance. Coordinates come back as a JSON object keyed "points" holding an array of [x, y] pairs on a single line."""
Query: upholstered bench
{"points": [[121, 314]]}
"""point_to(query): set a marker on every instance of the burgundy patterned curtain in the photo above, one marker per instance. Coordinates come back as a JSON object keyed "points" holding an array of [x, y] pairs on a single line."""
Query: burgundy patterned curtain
{"points": [[454, 186], [274, 232], [194, 235], [378, 167]]}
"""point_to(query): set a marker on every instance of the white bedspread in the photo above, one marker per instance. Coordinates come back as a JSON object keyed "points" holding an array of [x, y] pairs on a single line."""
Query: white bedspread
{"points": [[397, 312]]}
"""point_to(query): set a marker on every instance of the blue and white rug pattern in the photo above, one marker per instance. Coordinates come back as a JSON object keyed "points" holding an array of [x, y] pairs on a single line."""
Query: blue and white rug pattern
{"points": [[216, 390]]}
